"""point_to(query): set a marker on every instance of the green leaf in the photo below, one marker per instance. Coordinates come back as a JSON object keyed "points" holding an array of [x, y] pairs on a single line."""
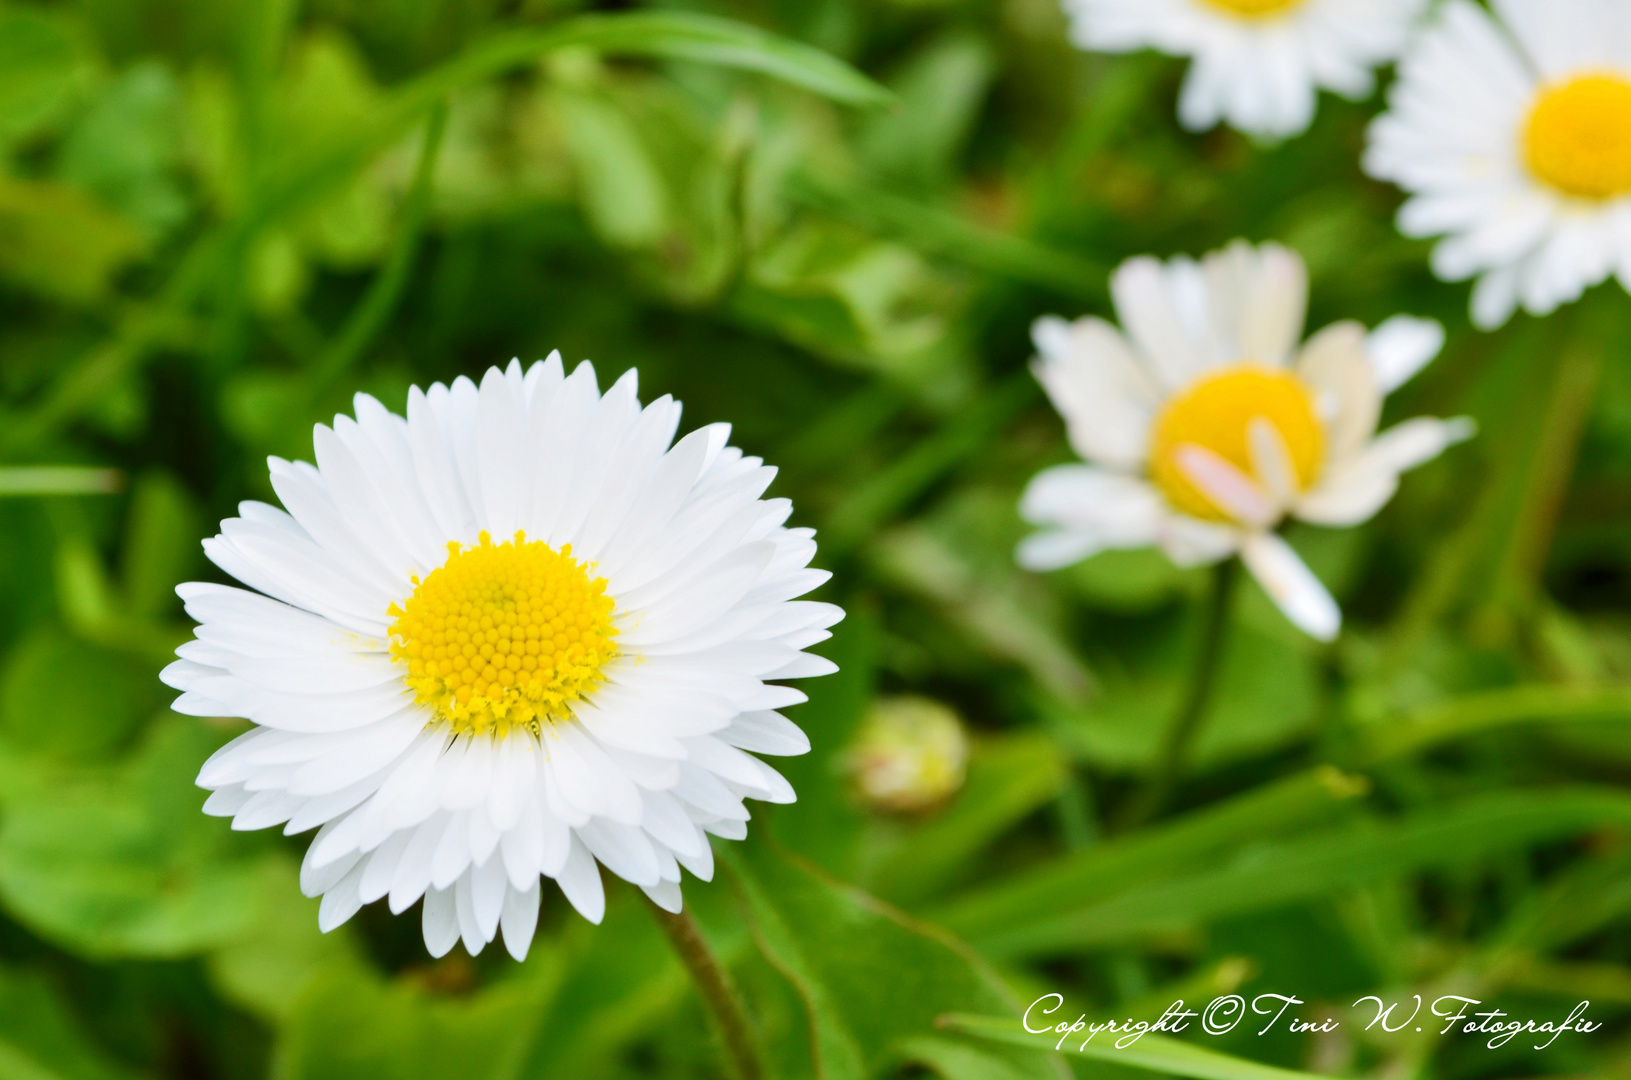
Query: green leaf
{"points": [[1471, 714], [353, 1026], [941, 90], [61, 243], [670, 35], [1008, 779], [38, 65], [1167, 850], [1268, 693], [666, 35], [126, 147], [618, 983], [623, 194], [62, 697], [161, 543], [40, 1039], [872, 980], [1157, 1053], [1272, 875], [124, 864], [269, 968]]}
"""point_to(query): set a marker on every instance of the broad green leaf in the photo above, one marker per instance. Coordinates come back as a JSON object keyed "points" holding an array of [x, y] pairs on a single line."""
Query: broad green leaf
{"points": [[40, 1039], [65, 698], [269, 968], [38, 73], [1157, 1053], [354, 1026], [872, 980], [618, 983], [1167, 850], [125, 865], [1272, 875], [61, 243], [126, 147], [623, 194]]}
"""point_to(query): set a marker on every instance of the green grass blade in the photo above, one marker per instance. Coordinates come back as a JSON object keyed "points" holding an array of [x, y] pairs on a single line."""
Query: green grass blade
{"points": [[1154, 1052], [1320, 865], [1049, 890]]}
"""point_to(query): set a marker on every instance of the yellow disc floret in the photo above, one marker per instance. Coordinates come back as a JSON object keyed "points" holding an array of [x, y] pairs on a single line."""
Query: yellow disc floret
{"points": [[1216, 412], [503, 636], [1255, 9], [1578, 137]]}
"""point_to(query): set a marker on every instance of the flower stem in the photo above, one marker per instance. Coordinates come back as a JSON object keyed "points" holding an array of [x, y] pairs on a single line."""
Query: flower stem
{"points": [[714, 983], [1186, 724]]}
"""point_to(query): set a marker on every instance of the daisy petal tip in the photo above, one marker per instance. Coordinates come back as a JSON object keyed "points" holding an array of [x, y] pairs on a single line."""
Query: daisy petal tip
{"points": [[1459, 429], [666, 895]]}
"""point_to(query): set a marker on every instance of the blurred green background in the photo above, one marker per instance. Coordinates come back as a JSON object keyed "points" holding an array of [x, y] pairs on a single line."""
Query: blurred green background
{"points": [[220, 218]]}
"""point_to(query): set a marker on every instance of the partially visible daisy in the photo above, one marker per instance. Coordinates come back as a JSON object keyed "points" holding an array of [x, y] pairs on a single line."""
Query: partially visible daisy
{"points": [[506, 638], [1207, 424], [1512, 132], [1258, 64]]}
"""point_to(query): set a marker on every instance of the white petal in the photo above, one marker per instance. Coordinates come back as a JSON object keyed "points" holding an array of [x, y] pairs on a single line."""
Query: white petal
{"points": [[440, 922], [1291, 585], [520, 919], [665, 894], [1402, 346], [1231, 490]]}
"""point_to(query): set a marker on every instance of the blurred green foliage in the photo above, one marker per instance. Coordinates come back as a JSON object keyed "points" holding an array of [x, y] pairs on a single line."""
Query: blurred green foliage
{"points": [[220, 219]]}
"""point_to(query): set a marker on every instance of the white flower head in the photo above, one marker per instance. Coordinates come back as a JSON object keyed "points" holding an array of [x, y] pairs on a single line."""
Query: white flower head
{"points": [[1207, 422], [1258, 64], [1512, 132], [505, 638]]}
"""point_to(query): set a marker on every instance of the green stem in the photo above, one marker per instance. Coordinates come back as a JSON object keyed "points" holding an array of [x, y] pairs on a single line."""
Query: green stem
{"points": [[1186, 724], [715, 985]]}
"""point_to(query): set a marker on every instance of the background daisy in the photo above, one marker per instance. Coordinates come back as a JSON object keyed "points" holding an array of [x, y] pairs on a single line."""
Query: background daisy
{"points": [[1258, 64], [510, 637], [1512, 132], [1206, 423]]}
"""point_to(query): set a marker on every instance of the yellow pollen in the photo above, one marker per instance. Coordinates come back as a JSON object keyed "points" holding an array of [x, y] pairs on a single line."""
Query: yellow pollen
{"points": [[1578, 137], [503, 636], [1255, 9], [1216, 412]]}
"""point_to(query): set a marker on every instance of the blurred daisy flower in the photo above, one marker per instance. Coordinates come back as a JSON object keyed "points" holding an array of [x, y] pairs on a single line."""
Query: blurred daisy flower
{"points": [[1512, 132], [1207, 425], [1258, 64], [510, 636]]}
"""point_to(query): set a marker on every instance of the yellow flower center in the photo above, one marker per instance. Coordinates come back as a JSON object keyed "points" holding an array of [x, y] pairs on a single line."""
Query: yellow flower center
{"points": [[1578, 137], [1255, 9], [1216, 413], [503, 636]]}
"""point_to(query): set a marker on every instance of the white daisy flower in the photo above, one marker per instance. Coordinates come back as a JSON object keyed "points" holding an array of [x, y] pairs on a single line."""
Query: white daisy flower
{"points": [[510, 636], [1512, 132], [1258, 64], [1207, 425]]}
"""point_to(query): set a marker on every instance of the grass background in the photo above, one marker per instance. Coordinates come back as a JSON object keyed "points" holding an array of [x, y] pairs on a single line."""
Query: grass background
{"points": [[218, 220]]}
